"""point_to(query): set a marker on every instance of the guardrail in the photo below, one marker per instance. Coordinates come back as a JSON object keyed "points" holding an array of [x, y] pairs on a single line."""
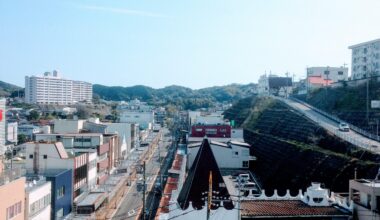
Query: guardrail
{"points": [[338, 120], [363, 144]]}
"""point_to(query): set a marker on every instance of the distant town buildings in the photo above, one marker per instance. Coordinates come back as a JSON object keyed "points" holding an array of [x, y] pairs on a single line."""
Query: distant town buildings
{"points": [[2, 126], [136, 112], [53, 89], [324, 76], [274, 85], [365, 59]]}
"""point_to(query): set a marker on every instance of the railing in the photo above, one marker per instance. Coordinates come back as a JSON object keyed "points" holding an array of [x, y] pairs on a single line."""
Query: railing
{"points": [[363, 144], [9, 175], [336, 119]]}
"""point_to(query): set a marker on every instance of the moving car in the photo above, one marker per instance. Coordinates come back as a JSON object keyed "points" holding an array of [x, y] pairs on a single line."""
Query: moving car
{"points": [[344, 127]]}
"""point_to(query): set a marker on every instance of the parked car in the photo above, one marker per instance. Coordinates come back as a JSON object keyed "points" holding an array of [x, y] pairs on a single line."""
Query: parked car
{"points": [[344, 127]]}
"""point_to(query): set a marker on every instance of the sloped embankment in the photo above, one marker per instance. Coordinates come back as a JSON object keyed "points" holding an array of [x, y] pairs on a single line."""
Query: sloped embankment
{"points": [[293, 151]]}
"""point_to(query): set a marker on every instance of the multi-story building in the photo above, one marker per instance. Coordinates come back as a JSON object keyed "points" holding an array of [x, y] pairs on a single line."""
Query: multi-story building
{"points": [[366, 196], [2, 127], [104, 145], [233, 154], [335, 74], [62, 194], [136, 112], [42, 157], [365, 59], [274, 85], [37, 199], [12, 194], [53, 89], [28, 130], [11, 132]]}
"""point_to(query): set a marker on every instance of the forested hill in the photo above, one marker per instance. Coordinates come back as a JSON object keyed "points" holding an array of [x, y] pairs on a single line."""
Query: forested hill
{"points": [[176, 95], [7, 89]]}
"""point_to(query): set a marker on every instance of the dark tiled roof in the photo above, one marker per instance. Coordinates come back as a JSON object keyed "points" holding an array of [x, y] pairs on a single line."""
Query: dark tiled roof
{"points": [[278, 82], [267, 208], [197, 181]]}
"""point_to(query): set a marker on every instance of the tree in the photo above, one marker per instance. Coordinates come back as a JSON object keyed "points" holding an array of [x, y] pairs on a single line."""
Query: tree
{"points": [[22, 138], [34, 115]]}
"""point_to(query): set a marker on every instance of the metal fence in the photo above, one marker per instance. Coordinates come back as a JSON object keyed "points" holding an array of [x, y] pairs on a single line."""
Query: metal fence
{"points": [[12, 174], [360, 143], [336, 119]]}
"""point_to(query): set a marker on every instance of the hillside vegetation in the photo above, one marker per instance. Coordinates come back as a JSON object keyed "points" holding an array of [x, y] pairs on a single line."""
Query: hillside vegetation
{"points": [[176, 95], [348, 103], [293, 151], [7, 89]]}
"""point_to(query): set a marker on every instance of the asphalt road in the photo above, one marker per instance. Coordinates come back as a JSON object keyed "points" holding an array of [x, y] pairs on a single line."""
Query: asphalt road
{"points": [[332, 126], [132, 203]]}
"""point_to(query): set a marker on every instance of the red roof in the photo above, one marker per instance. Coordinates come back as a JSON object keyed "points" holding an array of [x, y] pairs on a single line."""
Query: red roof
{"points": [[268, 208], [177, 163], [164, 205]]}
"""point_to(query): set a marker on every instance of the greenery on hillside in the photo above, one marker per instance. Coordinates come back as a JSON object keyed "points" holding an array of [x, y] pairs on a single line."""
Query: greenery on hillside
{"points": [[7, 89], [176, 95], [348, 103]]}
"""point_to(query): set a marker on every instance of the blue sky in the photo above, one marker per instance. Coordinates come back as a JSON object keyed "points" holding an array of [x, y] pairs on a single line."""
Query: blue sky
{"points": [[190, 43]]}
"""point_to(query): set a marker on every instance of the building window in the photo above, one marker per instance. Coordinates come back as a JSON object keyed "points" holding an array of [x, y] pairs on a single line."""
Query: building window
{"points": [[235, 154], [340, 72], [60, 192], [327, 72], [13, 210], [45, 156], [59, 213], [245, 164], [30, 156]]}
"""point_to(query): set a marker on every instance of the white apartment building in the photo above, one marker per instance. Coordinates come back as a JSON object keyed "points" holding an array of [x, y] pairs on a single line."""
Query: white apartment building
{"points": [[53, 89], [365, 59], [145, 119], [335, 74], [37, 199], [2, 126]]}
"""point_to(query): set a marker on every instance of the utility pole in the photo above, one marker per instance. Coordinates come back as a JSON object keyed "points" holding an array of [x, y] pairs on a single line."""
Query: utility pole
{"points": [[209, 196], [143, 208], [327, 72], [367, 98]]}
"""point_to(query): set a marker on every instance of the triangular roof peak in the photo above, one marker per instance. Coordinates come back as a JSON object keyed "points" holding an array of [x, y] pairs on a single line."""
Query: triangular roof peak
{"points": [[196, 185]]}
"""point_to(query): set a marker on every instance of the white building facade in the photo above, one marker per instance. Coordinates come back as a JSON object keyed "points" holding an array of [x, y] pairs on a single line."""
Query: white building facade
{"points": [[145, 119], [53, 89], [232, 155], [365, 59], [335, 74], [38, 200], [11, 132]]}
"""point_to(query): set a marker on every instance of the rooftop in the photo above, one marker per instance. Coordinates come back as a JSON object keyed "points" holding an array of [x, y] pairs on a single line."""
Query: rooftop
{"points": [[370, 183], [203, 173], [286, 208], [34, 183], [364, 43]]}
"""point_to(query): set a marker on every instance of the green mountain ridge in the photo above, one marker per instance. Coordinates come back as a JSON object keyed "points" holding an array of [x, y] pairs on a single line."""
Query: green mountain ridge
{"points": [[180, 96], [7, 89], [176, 95]]}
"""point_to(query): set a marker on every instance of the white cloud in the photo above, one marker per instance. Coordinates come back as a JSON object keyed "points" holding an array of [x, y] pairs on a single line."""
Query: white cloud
{"points": [[123, 11]]}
